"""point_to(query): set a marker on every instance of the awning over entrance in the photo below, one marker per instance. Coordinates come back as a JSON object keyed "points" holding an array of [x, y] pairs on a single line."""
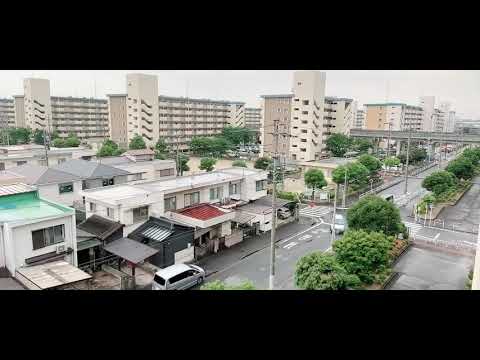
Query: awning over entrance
{"points": [[50, 275], [87, 244], [130, 250]]}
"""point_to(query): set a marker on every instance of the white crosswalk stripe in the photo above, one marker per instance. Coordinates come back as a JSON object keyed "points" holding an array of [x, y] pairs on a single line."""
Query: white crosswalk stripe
{"points": [[315, 211], [414, 228]]}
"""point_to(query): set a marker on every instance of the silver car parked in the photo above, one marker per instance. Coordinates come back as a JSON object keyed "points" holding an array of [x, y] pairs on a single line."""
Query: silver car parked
{"points": [[178, 277]]}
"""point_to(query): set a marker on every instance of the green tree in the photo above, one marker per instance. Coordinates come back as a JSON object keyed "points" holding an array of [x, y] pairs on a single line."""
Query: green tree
{"points": [[462, 167], [201, 146], [322, 271], [137, 142], [339, 144], [109, 148], [161, 149], [363, 253], [59, 143], [239, 163], [362, 145], [439, 182], [373, 213], [55, 134], [219, 146], [237, 135], [371, 163], [262, 163], [357, 174], [473, 155], [72, 140], [416, 155], [207, 164], [18, 135], [391, 161], [315, 179], [38, 137], [182, 165], [220, 285]]}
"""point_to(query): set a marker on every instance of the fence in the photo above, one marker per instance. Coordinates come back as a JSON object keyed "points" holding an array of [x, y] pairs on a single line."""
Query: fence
{"points": [[458, 245], [93, 264]]}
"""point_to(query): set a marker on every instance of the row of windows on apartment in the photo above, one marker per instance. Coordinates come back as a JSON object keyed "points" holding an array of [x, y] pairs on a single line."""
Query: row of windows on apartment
{"points": [[304, 102], [23, 162], [195, 116], [193, 108]]}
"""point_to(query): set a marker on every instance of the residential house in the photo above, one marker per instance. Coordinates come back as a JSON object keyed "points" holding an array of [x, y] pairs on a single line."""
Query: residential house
{"points": [[34, 231], [142, 162], [92, 235], [52, 184], [190, 200], [16, 155], [260, 212], [94, 174], [174, 241]]}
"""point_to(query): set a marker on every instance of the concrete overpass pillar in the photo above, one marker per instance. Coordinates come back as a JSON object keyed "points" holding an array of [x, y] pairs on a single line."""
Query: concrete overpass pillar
{"points": [[399, 147]]}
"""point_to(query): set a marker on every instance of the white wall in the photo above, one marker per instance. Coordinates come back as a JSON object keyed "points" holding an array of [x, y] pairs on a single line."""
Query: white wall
{"points": [[19, 244], [2, 248], [51, 192]]}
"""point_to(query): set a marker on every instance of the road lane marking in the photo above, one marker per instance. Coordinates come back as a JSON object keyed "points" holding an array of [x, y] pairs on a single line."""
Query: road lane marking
{"points": [[290, 245], [305, 237], [436, 237], [300, 233]]}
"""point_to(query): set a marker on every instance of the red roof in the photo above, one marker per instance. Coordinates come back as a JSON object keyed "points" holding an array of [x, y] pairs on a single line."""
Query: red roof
{"points": [[202, 212]]}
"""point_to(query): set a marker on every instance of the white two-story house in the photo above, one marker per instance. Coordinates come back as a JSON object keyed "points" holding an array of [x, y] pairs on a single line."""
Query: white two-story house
{"points": [[189, 200], [34, 231]]}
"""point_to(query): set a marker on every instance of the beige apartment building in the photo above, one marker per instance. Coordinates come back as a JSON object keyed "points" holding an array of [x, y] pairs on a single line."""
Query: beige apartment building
{"points": [[142, 107], [7, 113], [37, 104], [275, 107], [19, 101], [117, 119], [175, 119], [308, 128], [87, 118], [393, 116]]}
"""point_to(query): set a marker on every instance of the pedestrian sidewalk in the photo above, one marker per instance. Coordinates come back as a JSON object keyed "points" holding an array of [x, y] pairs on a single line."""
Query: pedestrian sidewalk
{"points": [[219, 261]]}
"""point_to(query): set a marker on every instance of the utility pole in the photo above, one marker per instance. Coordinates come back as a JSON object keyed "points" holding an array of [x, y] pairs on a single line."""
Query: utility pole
{"points": [[408, 158], [274, 208], [334, 213], [276, 133], [344, 202], [46, 139]]}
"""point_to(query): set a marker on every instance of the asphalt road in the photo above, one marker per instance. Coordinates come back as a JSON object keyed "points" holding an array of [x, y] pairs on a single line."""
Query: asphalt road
{"points": [[255, 267]]}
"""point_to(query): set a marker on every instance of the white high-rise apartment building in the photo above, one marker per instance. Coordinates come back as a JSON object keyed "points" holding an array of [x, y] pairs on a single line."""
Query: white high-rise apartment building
{"points": [[451, 121], [142, 107], [38, 109], [359, 119], [253, 118], [338, 115], [307, 124], [428, 105], [237, 114]]}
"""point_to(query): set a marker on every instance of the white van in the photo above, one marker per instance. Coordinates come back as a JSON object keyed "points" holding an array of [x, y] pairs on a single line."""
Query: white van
{"points": [[178, 277]]}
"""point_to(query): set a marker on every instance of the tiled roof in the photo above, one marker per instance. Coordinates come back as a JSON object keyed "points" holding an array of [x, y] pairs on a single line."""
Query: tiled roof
{"points": [[15, 189], [202, 212]]}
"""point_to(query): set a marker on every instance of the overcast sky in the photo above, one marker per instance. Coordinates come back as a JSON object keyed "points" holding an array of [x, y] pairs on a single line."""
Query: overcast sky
{"points": [[461, 88]]}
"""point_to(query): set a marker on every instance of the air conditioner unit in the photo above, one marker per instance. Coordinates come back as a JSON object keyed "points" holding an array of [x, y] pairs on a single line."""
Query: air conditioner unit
{"points": [[60, 249]]}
